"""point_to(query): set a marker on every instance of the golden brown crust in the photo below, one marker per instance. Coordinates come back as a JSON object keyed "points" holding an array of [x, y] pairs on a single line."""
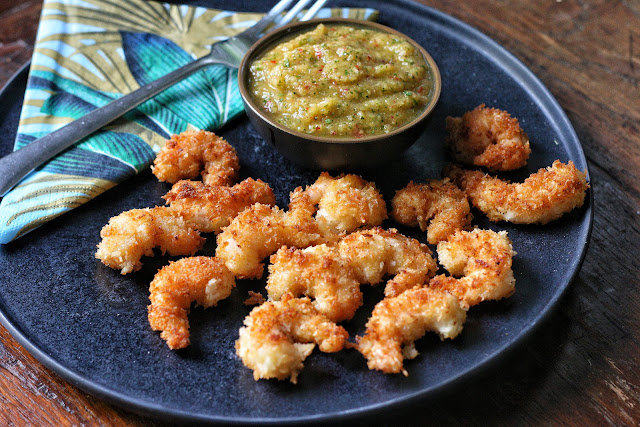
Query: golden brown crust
{"points": [[399, 321], [320, 273], [543, 197], [187, 155], [255, 298], [277, 336], [209, 208], [203, 280], [482, 259], [259, 231], [438, 207], [376, 253], [321, 213], [342, 204], [488, 137], [135, 233], [332, 275]]}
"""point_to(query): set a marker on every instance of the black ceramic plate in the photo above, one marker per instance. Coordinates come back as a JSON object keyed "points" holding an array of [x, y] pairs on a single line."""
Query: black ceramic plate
{"points": [[89, 324]]}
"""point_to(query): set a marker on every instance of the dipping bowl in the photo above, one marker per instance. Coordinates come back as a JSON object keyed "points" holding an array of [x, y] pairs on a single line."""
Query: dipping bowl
{"points": [[326, 152]]}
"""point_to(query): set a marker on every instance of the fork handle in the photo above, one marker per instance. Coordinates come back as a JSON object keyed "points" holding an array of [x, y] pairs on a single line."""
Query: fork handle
{"points": [[15, 166]]}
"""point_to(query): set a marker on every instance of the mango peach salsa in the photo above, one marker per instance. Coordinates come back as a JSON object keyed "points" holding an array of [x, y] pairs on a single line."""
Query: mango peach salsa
{"points": [[342, 81]]}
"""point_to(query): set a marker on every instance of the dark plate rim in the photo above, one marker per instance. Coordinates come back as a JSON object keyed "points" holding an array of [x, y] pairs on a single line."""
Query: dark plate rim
{"points": [[545, 99]]}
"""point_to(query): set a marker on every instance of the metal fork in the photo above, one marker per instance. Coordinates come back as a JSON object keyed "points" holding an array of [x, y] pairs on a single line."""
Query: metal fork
{"points": [[16, 165]]}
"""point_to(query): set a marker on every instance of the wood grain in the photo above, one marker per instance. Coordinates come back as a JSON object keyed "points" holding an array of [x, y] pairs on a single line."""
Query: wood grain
{"points": [[17, 34], [581, 366]]}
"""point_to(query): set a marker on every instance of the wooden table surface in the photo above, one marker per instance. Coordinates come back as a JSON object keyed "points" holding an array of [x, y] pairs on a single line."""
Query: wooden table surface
{"points": [[581, 366]]}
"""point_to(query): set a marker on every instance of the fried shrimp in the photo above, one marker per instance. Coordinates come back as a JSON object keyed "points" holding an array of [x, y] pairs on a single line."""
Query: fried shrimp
{"points": [[135, 233], [319, 214], [483, 258], [332, 275], [259, 231], [318, 272], [488, 137], [543, 197], [277, 337], [344, 204], [375, 253], [200, 279], [397, 322], [209, 208], [437, 206], [187, 155]]}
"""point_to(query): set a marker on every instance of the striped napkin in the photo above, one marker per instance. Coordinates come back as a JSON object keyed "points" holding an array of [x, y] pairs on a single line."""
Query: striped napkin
{"points": [[90, 52]]}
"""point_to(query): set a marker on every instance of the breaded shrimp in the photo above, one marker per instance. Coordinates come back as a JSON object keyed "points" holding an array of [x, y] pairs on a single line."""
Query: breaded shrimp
{"points": [[259, 231], [200, 279], [543, 197], [437, 206], [209, 208], [318, 272], [332, 275], [277, 337], [483, 258], [375, 253], [319, 214], [344, 204], [397, 322], [488, 137], [184, 156], [132, 234]]}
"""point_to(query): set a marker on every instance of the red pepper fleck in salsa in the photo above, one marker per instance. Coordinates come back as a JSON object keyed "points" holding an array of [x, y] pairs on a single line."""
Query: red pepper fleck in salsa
{"points": [[356, 81]]}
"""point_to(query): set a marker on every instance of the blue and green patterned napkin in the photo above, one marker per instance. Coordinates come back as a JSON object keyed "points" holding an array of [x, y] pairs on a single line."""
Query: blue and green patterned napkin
{"points": [[90, 52]]}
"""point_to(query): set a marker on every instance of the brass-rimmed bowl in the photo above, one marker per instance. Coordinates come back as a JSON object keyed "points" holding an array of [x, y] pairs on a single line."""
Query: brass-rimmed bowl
{"points": [[325, 152]]}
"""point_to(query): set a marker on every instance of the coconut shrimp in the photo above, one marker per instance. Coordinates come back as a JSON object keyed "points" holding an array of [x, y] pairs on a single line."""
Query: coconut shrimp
{"points": [[135, 233], [319, 214], [258, 232], [397, 322], [187, 155], [209, 208], [277, 337], [203, 280], [344, 204], [488, 137], [375, 253], [438, 207], [483, 258], [332, 275], [318, 272], [543, 197]]}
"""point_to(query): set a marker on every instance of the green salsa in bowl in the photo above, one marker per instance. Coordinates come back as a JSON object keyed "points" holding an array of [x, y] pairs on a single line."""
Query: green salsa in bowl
{"points": [[339, 93]]}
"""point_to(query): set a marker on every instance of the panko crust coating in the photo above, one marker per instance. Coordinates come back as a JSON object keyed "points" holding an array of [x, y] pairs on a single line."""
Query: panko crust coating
{"points": [[543, 197], [210, 208], [127, 237], [258, 232], [318, 272], [376, 253], [344, 203], [203, 280], [438, 207], [192, 153], [397, 322], [277, 337], [481, 262], [332, 275], [488, 137], [321, 213]]}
